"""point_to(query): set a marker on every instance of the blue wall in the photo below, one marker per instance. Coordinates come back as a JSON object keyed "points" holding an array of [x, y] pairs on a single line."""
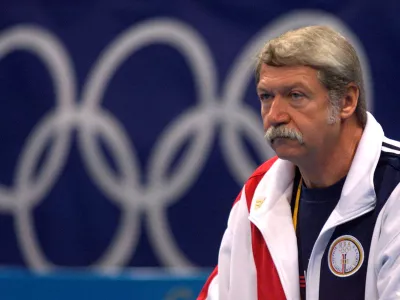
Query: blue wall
{"points": [[128, 127]]}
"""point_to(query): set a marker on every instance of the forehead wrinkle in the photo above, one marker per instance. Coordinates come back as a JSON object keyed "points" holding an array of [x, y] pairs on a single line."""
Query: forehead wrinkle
{"points": [[262, 87], [289, 75]]}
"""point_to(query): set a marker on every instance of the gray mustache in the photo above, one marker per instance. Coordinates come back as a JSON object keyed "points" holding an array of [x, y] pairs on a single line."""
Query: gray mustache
{"points": [[283, 132]]}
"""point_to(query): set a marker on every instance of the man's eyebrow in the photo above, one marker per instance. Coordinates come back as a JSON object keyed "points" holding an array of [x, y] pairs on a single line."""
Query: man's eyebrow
{"points": [[284, 89], [263, 89], [296, 85]]}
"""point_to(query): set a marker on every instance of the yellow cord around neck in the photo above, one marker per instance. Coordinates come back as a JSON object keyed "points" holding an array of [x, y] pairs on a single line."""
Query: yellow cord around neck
{"points": [[296, 204]]}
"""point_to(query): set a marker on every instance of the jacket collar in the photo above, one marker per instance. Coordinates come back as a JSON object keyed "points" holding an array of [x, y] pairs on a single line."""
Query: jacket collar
{"points": [[358, 190]]}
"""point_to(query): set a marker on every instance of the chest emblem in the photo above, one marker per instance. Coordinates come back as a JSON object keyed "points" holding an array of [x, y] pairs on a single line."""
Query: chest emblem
{"points": [[346, 255]]}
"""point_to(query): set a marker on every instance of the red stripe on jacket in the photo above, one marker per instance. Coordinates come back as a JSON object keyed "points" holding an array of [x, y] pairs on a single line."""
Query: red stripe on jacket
{"points": [[204, 291], [269, 286]]}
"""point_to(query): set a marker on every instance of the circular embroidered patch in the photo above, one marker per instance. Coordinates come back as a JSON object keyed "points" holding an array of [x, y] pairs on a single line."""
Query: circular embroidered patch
{"points": [[346, 255]]}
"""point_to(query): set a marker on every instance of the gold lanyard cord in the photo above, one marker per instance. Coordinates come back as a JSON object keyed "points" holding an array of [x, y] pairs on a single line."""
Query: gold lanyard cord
{"points": [[296, 205], [296, 212]]}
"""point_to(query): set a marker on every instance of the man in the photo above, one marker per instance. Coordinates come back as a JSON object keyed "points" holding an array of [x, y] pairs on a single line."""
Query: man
{"points": [[321, 220]]}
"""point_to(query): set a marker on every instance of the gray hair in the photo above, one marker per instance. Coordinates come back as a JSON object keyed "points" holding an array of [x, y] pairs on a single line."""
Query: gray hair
{"points": [[325, 50]]}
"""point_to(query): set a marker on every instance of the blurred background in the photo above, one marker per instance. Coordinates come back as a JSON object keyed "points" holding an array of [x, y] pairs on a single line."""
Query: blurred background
{"points": [[127, 129]]}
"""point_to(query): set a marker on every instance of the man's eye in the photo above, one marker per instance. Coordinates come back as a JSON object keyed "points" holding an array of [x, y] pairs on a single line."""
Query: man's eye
{"points": [[296, 95], [264, 96]]}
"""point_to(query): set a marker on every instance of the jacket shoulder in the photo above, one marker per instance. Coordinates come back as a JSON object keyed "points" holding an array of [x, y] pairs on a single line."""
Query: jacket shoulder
{"points": [[262, 169], [255, 178]]}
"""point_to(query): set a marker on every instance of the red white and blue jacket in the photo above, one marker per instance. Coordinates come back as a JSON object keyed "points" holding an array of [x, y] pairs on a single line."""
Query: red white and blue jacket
{"points": [[358, 245]]}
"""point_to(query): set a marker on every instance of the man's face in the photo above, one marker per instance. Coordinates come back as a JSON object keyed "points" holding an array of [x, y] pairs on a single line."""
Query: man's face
{"points": [[294, 103]]}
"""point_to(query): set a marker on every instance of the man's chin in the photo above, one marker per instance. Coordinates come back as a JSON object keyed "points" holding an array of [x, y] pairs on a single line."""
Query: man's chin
{"points": [[287, 149], [291, 157], [278, 142]]}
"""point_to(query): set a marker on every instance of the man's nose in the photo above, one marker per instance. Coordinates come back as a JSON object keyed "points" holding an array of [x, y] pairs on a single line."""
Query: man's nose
{"points": [[277, 113]]}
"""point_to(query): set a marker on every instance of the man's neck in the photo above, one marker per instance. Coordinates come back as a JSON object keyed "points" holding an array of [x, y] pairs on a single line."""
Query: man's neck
{"points": [[328, 168]]}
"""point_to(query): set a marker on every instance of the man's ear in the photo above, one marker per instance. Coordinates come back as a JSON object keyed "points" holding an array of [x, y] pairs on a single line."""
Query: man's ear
{"points": [[349, 101]]}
